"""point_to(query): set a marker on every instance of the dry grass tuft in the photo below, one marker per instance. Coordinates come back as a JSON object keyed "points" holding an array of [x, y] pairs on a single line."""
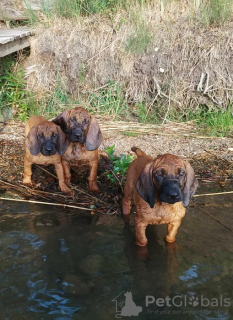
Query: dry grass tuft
{"points": [[182, 63]]}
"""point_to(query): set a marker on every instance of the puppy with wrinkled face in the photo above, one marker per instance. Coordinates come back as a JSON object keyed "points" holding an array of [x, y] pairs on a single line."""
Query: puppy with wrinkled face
{"points": [[45, 143], [85, 137], [161, 189]]}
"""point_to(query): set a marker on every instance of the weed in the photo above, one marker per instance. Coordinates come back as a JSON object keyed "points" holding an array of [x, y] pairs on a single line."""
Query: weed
{"points": [[109, 101], [120, 165]]}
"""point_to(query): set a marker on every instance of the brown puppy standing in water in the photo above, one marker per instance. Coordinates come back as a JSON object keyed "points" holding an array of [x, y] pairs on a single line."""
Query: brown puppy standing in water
{"points": [[85, 138], [161, 189], [45, 143]]}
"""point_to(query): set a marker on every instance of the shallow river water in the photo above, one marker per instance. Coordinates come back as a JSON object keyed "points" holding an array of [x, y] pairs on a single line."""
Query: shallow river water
{"points": [[59, 264]]}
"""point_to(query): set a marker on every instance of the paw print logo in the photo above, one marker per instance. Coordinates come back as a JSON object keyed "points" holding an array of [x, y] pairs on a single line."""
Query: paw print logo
{"points": [[193, 301]]}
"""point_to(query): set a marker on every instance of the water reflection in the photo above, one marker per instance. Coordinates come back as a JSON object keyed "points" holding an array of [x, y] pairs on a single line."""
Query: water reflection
{"points": [[67, 265]]}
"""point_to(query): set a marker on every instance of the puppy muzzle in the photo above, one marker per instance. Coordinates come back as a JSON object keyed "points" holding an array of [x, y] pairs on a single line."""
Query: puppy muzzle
{"points": [[48, 148], [170, 192], [77, 135]]}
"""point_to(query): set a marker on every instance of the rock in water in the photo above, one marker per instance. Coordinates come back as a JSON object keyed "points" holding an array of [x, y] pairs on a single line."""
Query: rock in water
{"points": [[91, 264]]}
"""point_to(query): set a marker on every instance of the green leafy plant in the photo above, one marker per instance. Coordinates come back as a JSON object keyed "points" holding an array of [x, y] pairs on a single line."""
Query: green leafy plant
{"points": [[120, 165]]}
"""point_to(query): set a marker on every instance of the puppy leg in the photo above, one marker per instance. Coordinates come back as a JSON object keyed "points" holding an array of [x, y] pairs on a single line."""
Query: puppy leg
{"points": [[140, 228], [172, 229], [27, 178], [61, 179], [66, 168], [93, 176], [127, 201]]}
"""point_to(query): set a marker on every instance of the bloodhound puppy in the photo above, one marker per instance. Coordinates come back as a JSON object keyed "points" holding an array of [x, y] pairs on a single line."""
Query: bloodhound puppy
{"points": [[161, 189], [85, 137], [45, 143]]}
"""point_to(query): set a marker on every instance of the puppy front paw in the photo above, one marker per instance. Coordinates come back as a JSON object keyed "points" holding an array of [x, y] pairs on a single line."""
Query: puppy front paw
{"points": [[141, 243], [94, 188], [170, 239], [27, 182], [67, 190]]}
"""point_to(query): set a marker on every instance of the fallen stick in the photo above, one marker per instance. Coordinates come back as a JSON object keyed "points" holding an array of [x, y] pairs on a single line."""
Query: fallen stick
{"points": [[50, 204], [73, 188], [212, 194]]}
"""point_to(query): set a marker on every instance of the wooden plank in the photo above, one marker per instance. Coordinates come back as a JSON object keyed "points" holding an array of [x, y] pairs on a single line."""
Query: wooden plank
{"points": [[15, 32], [13, 46], [4, 40], [12, 18]]}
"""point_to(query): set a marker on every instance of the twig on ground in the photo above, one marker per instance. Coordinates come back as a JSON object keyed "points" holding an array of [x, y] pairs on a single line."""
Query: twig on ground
{"points": [[47, 171], [212, 194], [50, 204]]}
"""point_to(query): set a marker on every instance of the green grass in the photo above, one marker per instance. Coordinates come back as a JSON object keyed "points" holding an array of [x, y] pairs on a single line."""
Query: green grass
{"points": [[68, 8], [216, 11], [209, 12], [145, 113], [129, 133], [53, 103], [17, 101], [109, 101], [13, 94], [214, 123], [32, 15]]}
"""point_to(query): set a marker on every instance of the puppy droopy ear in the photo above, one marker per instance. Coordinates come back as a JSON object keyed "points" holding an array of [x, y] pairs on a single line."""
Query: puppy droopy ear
{"points": [[190, 185], [63, 142], [145, 186], [94, 136], [32, 141], [61, 120]]}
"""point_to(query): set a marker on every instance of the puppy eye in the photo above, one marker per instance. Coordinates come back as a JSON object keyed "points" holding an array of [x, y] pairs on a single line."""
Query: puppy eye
{"points": [[181, 172], [73, 119], [159, 172], [54, 135], [40, 135]]}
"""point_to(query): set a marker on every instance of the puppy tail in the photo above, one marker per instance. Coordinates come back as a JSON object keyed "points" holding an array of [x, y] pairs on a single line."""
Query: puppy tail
{"points": [[138, 152]]}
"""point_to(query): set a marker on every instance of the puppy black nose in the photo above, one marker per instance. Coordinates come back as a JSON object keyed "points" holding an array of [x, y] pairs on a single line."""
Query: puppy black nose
{"points": [[78, 134], [49, 148], [174, 194]]}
